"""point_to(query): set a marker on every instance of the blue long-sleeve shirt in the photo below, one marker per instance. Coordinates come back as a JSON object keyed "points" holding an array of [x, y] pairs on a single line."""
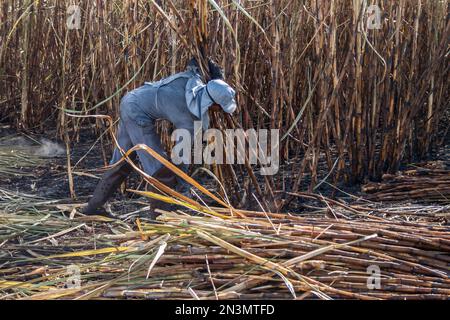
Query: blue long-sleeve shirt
{"points": [[181, 99]]}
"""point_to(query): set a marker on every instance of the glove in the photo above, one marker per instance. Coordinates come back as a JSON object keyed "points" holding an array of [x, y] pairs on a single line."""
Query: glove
{"points": [[214, 70], [192, 64]]}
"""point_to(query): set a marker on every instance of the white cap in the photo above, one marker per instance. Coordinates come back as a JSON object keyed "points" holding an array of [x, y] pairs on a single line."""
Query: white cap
{"points": [[222, 94]]}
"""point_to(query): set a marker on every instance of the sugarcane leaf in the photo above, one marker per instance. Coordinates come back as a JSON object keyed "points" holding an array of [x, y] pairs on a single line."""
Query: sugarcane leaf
{"points": [[288, 284], [158, 255]]}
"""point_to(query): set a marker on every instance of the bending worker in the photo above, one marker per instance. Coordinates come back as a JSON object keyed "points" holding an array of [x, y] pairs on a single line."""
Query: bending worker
{"points": [[181, 99]]}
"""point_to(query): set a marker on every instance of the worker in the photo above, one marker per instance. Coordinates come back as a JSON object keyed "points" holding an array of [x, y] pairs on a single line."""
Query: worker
{"points": [[180, 99]]}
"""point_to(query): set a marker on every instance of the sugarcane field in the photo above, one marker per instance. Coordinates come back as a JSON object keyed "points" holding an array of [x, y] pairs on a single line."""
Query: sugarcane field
{"points": [[224, 150]]}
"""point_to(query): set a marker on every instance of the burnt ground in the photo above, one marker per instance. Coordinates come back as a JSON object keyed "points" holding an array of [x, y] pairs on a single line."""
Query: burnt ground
{"points": [[47, 175]]}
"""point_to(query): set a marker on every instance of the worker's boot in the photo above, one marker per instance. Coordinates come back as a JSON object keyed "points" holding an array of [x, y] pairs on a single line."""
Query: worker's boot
{"points": [[105, 189]]}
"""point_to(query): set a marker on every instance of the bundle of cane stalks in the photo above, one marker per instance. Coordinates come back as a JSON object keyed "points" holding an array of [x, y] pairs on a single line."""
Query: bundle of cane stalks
{"points": [[429, 181], [258, 255]]}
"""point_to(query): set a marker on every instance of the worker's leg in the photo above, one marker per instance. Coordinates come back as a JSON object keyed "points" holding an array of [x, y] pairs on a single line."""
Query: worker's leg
{"points": [[187, 125], [112, 178], [147, 135]]}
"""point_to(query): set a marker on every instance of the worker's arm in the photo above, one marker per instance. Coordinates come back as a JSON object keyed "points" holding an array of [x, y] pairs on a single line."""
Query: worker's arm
{"points": [[215, 72]]}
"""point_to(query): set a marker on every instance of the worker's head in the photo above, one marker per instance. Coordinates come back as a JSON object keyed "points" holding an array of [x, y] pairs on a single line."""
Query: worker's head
{"points": [[222, 94]]}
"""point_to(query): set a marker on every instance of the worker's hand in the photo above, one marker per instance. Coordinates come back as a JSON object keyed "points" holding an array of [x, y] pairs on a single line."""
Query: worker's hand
{"points": [[214, 70], [215, 108], [192, 64]]}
